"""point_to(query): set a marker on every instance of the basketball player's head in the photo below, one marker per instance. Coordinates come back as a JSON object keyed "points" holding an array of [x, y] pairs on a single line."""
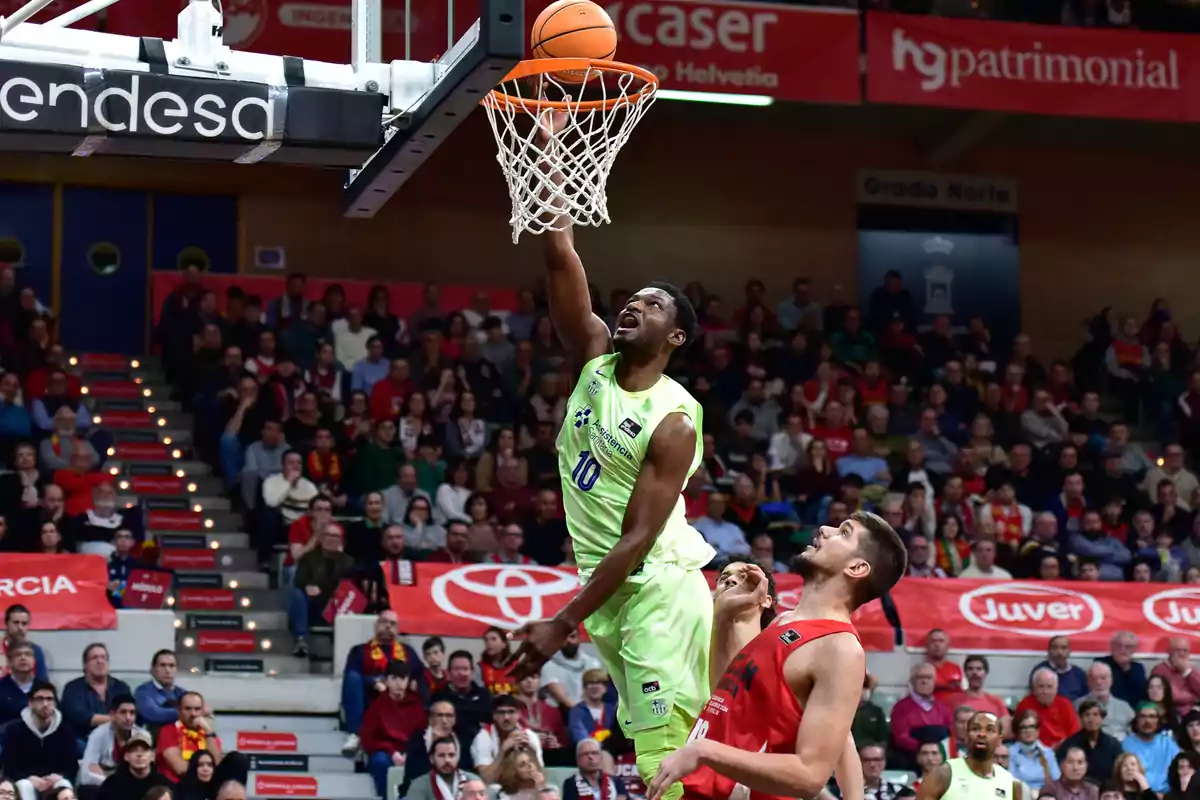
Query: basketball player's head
{"points": [[864, 553], [983, 735], [658, 319], [733, 575]]}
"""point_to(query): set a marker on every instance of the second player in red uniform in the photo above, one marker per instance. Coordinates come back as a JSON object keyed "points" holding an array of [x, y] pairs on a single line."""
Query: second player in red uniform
{"points": [[807, 664]]}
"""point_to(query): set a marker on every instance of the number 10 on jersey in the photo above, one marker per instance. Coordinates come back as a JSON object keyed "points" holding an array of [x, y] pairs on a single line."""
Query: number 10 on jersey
{"points": [[586, 472]]}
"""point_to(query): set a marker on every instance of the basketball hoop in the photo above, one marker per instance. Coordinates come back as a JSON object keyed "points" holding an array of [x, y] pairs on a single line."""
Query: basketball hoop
{"points": [[582, 153]]}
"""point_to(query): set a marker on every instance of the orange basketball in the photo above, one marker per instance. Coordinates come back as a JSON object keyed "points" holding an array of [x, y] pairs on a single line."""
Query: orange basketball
{"points": [[574, 29]]}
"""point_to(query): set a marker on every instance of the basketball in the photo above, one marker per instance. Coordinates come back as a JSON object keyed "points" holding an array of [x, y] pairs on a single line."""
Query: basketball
{"points": [[574, 29]]}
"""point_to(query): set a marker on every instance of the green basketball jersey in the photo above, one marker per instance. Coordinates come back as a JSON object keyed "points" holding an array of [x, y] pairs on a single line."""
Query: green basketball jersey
{"points": [[966, 785], [601, 445]]}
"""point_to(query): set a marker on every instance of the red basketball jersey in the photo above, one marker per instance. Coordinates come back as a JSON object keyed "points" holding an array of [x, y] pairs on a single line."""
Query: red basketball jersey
{"points": [[753, 708]]}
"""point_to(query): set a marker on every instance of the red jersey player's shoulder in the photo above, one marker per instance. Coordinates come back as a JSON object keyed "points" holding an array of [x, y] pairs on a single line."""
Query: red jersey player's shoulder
{"points": [[832, 656]]}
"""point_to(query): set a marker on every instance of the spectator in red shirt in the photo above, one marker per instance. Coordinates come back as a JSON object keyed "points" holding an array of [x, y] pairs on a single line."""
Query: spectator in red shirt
{"points": [[948, 675], [436, 676], [1177, 670], [976, 669], [79, 480], [834, 431], [304, 533], [458, 538], [919, 709], [1056, 712], [872, 386], [389, 394], [493, 664], [392, 719], [540, 717]]}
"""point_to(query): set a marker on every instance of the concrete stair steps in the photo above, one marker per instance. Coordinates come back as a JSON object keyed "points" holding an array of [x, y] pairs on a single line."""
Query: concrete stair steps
{"points": [[188, 521], [282, 739], [269, 663], [176, 539], [327, 786], [224, 559], [223, 600], [249, 620], [216, 579], [174, 436], [296, 723]]}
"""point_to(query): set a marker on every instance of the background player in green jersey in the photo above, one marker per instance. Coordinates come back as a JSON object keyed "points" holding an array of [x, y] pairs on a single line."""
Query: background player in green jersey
{"points": [[630, 442]]}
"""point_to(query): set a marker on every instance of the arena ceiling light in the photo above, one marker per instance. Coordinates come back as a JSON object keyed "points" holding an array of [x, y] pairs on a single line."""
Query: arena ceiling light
{"points": [[716, 97]]}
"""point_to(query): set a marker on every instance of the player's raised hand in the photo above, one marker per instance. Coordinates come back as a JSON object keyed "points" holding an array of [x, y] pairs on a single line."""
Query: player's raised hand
{"points": [[742, 591], [674, 768], [541, 640]]}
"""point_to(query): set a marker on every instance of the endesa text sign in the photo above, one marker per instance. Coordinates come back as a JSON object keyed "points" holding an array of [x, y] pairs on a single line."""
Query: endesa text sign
{"points": [[62, 592], [1036, 69]]}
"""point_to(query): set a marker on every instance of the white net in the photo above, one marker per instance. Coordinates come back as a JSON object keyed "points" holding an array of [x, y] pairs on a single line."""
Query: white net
{"points": [[563, 181]]}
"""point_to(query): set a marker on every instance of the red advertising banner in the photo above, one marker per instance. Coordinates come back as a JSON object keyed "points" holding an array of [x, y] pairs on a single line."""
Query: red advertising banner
{"points": [[450, 600], [206, 600], [62, 592], [347, 599], [1035, 69], [786, 52], [182, 558], [267, 742], [1018, 615], [284, 785], [226, 642]]}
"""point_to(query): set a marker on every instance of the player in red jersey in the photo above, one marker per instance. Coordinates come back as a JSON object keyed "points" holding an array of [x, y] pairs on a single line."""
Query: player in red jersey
{"points": [[807, 663]]}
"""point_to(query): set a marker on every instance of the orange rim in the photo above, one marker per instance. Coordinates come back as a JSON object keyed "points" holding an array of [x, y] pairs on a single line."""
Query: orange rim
{"points": [[542, 66]]}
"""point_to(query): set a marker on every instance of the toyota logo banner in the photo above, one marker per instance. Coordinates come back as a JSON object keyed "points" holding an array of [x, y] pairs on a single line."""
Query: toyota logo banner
{"points": [[450, 600], [62, 592]]}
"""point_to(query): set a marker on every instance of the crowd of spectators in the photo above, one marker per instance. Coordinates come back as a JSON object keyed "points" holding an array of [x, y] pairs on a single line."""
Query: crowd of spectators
{"points": [[1082, 730], [99, 740]]}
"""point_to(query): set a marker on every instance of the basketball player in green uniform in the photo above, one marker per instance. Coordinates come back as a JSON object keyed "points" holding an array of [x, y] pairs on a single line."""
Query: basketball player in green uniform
{"points": [[630, 441], [975, 776]]}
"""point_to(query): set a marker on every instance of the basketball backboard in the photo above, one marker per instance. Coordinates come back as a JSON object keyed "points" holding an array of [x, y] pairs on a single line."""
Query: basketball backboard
{"points": [[185, 93]]}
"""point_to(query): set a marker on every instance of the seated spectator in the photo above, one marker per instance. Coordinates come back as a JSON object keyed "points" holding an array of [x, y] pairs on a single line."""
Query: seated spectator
{"points": [[458, 539], [18, 683], [377, 461], [1072, 682], [446, 779], [158, 698], [434, 651], [136, 776], [121, 564], [44, 411], [21, 490], [393, 566], [948, 674], [1129, 676], [317, 577], [472, 703], [389, 393], [397, 497], [918, 709], [1071, 784], [263, 459], [78, 480], [325, 467], [192, 733], [51, 541], [304, 535], [1178, 671], [1099, 748], [363, 676], [93, 530], [543, 719], [562, 676], [512, 541], [975, 670], [55, 452], [420, 531], [361, 357], [1153, 747], [105, 749], [39, 750], [1129, 781], [1092, 542], [288, 490], [394, 717], [16, 630], [863, 461], [199, 783], [417, 759], [364, 537], [1118, 715], [86, 700], [983, 563], [1043, 422], [591, 780], [1056, 714], [1032, 761], [505, 734], [727, 538], [594, 717], [1013, 520], [930, 755], [494, 663]]}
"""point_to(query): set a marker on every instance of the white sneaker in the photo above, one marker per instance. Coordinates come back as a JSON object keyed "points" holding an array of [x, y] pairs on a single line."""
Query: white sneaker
{"points": [[351, 745]]}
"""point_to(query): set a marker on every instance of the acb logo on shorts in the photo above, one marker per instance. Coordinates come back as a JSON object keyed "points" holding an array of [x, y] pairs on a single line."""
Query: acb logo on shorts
{"points": [[658, 708]]}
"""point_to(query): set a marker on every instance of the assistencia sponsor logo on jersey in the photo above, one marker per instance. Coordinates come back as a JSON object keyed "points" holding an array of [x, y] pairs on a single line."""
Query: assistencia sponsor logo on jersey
{"points": [[602, 438]]}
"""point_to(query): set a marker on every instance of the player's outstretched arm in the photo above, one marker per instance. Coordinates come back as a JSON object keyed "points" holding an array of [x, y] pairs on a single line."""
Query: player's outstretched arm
{"points": [[934, 785], [849, 772], [737, 616], [834, 666], [659, 484], [583, 334]]}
